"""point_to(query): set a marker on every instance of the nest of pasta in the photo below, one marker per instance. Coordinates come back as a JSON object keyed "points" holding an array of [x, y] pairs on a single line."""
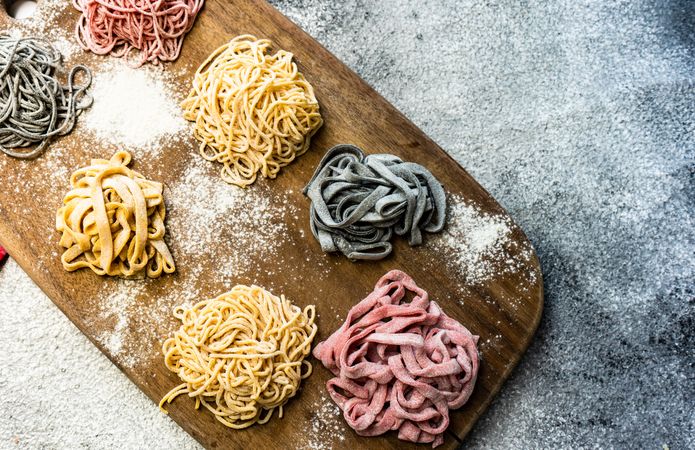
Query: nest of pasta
{"points": [[155, 29], [254, 112], [112, 221], [399, 364], [241, 355]]}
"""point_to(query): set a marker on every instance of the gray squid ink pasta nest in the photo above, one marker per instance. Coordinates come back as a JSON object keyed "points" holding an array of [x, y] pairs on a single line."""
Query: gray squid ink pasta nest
{"points": [[34, 106], [358, 202]]}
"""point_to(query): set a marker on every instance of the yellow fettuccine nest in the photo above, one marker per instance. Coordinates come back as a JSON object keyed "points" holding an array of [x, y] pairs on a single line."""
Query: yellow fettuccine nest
{"points": [[112, 221], [241, 355], [253, 112]]}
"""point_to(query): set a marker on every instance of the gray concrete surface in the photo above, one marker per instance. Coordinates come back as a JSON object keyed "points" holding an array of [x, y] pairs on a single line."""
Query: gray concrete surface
{"points": [[579, 118]]}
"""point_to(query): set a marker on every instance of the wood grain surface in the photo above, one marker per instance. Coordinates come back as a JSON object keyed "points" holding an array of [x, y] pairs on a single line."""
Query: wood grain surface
{"points": [[504, 310]]}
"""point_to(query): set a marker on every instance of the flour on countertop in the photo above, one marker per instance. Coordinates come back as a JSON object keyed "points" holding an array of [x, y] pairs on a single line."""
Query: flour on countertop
{"points": [[58, 390]]}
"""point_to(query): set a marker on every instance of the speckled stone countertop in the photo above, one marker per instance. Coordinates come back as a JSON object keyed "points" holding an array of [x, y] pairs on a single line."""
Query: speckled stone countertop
{"points": [[579, 118]]}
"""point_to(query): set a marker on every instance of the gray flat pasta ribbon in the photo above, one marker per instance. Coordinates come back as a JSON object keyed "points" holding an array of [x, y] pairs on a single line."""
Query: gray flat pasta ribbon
{"points": [[358, 202], [34, 106]]}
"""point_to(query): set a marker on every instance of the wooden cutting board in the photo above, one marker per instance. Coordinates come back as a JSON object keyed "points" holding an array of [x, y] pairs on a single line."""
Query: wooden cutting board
{"points": [[504, 310]]}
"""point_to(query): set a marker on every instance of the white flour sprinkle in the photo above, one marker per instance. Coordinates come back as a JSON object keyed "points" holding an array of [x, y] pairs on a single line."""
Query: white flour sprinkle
{"points": [[136, 322], [135, 108], [15, 33], [114, 309], [212, 226], [43, 25], [473, 242], [205, 210], [43, 19], [66, 47], [122, 309], [55, 169], [326, 425]]}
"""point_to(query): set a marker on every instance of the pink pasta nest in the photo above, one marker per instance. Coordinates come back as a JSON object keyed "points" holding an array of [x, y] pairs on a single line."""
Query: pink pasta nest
{"points": [[400, 365], [153, 27]]}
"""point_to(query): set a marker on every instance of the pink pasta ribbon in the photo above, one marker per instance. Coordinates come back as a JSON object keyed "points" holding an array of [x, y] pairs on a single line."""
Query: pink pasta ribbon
{"points": [[400, 365], [154, 27]]}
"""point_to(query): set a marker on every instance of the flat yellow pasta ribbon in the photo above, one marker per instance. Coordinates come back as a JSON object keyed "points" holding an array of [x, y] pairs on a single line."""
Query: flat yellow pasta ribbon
{"points": [[112, 221]]}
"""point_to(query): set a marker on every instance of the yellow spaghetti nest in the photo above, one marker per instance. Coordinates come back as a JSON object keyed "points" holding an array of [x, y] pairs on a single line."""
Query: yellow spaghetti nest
{"points": [[112, 221], [253, 112], [241, 355]]}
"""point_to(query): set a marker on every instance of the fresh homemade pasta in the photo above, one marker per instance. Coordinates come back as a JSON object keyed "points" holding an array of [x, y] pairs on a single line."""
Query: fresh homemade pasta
{"points": [[241, 355], [154, 29], [112, 221], [253, 111], [358, 202], [34, 107], [400, 364]]}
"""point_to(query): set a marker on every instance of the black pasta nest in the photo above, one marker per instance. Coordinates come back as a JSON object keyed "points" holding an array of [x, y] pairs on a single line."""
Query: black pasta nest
{"points": [[34, 106], [358, 202]]}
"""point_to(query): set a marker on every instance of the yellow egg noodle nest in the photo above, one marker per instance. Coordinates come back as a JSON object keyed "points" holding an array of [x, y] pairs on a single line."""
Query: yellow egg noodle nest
{"points": [[253, 112], [241, 355]]}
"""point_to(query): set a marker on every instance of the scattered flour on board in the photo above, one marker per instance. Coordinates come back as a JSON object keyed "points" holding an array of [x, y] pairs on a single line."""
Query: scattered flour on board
{"points": [[115, 309], [208, 215], [136, 322], [134, 108], [326, 426], [66, 47], [478, 245], [44, 17], [139, 109], [54, 168], [212, 226]]}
